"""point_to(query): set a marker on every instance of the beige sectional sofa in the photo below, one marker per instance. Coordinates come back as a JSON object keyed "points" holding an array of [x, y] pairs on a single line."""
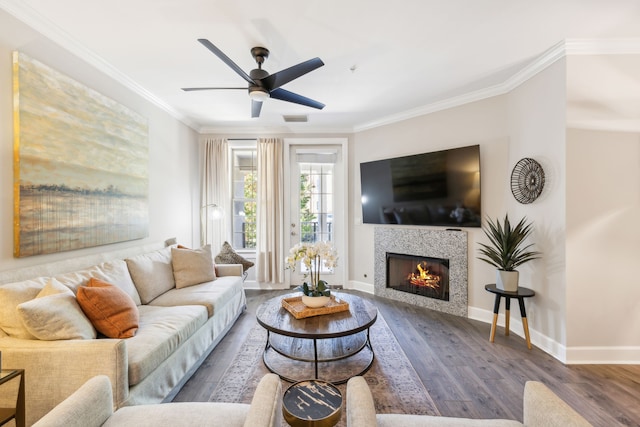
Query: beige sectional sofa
{"points": [[180, 319]]}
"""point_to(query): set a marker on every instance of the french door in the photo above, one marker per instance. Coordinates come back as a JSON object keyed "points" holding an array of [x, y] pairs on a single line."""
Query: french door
{"points": [[317, 186]]}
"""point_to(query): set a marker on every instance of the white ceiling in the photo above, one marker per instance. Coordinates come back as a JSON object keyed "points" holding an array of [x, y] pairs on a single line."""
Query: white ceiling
{"points": [[383, 59]]}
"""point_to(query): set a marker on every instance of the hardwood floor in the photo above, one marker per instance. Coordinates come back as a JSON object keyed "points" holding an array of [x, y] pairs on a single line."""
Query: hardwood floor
{"points": [[465, 374]]}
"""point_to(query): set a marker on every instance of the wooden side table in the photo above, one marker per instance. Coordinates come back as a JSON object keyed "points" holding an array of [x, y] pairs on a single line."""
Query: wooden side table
{"points": [[17, 412], [520, 295], [312, 403]]}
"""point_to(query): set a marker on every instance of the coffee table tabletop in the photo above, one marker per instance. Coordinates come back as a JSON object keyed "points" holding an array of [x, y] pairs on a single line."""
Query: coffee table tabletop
{"points": [[318, 339], [361, 315]]}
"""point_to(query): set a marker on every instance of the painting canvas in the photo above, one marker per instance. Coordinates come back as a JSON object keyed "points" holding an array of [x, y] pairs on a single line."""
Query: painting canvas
{"points": [[80, 164]]}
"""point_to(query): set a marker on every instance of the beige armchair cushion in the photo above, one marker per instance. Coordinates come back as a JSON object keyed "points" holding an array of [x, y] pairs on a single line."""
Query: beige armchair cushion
{"points": [[91, 406]]}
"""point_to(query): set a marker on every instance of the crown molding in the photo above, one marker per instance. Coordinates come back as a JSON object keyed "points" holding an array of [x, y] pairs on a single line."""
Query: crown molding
{"points": [[272, 130], [556, 52], [45, 27]]}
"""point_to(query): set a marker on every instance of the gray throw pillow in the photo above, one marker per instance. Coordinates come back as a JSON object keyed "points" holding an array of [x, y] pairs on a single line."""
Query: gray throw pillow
{"points": [[228, 256]]}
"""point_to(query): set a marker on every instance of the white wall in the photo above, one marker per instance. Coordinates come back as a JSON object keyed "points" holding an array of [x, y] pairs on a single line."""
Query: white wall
{"points": [[603, 205], [537, 122], [484, 123], [173, 164], [603, 232]]}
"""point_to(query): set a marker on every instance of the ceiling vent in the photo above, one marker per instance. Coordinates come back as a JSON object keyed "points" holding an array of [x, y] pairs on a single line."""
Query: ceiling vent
{"points": [[302, 118]]}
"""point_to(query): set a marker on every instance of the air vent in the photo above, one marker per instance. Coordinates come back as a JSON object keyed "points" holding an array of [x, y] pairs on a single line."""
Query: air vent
{"points": [[296, 119]]}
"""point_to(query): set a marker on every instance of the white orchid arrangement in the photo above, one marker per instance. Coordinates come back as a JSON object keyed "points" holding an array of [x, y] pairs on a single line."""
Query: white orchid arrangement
{"points": [[313, 256]]}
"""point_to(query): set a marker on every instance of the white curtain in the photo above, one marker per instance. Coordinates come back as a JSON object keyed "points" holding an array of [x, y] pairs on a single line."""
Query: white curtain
{"points": [[214, 191], [270, 238]]}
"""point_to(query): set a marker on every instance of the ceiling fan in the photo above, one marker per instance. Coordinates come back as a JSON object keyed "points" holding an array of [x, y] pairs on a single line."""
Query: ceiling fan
{"points": [[263, 85]]}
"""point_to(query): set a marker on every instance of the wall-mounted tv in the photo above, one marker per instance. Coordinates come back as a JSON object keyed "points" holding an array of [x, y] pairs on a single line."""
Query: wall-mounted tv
{"points": [[441, 188]]}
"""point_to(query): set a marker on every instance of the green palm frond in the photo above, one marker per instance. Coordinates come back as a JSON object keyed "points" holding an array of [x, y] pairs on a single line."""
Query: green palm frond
{"points": [[506, 251]]}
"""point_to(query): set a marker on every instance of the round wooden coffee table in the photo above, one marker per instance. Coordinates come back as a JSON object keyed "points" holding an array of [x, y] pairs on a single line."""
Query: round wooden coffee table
{"points": [[318, 340]]}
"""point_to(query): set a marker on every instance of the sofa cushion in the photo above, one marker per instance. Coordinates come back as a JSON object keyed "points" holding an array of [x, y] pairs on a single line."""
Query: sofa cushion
{"points": [[152, 273], [210, 294], [114, 272], [192, 266], [228, 256], [54, 314], [110, 309], [162, 330], [11, 295], [117, 273]]}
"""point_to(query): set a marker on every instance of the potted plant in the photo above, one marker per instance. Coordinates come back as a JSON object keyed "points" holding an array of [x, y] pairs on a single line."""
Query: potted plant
{"points": [[313, 256], [507, 250]]}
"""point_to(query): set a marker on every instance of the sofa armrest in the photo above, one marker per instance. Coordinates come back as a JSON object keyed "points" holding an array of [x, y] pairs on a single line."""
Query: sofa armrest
{"points": [[361, 410], [266, 406], [228, 270], [55, 369], [89, 406], [543, 408]]}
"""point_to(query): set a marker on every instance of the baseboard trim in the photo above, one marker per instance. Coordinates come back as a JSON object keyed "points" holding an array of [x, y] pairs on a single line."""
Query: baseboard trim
{"points": [[622, 355], [361, 286]]}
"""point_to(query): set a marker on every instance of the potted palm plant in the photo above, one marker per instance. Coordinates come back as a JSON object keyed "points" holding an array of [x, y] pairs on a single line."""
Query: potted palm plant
{"points": [[507, 250]]}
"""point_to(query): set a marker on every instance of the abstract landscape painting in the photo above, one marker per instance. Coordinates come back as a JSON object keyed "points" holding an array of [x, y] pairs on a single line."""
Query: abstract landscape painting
{"points": [[80, 164]]}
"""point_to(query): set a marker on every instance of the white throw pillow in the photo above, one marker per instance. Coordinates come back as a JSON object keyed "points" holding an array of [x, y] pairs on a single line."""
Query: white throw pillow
{"points": [[152, 273], [54, 314], [192, 266]]}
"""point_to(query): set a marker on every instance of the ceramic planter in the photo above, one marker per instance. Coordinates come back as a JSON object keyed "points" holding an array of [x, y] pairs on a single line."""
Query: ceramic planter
{"points": [[315, 302], [507, 280]]}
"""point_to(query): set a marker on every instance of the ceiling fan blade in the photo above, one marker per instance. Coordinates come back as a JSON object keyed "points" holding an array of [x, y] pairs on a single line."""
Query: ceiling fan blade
{"points": [[282, 77], [190, 89], [285, 95], [206, 43], [256, 106]]}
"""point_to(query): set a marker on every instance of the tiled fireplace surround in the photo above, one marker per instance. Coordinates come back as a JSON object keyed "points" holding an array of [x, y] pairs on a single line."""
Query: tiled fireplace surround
{"points": [[446, 244]]}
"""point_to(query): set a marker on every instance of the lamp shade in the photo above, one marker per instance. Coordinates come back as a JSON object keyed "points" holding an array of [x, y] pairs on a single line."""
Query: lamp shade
{"points": [[214, 211]]}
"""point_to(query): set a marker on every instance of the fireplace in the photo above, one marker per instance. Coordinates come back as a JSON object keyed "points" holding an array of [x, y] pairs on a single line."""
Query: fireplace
{"points": [[419, 275], [430, 245]]}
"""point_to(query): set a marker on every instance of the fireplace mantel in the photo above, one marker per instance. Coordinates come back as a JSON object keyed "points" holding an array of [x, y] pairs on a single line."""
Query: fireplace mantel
{"points": [[446, 244]]}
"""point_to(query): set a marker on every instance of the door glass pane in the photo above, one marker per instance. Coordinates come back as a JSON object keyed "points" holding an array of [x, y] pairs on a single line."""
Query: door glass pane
{"points": [[316, 202]]}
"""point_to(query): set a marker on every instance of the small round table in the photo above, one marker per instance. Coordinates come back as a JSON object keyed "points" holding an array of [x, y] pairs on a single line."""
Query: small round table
{"points": [[520, 294], [312, 403]]}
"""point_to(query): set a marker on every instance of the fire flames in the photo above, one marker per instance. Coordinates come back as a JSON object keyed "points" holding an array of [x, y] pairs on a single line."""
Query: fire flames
{"points": [[424, 277]]}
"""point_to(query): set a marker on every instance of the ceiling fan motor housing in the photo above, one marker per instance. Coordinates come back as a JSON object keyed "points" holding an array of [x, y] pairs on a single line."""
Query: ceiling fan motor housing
{"points": [[259, 54]]}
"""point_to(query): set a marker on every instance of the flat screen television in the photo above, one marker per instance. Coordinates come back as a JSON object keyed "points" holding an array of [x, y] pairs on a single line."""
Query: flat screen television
{"points": [[440, 188]]}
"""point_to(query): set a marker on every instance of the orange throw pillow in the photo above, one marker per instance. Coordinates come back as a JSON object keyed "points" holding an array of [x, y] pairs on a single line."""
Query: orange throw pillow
{"points": [[111, 311]]}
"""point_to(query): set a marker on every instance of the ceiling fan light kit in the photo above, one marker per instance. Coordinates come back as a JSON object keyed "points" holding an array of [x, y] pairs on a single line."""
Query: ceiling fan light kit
{"points": [[263, 85], [258, 94]]}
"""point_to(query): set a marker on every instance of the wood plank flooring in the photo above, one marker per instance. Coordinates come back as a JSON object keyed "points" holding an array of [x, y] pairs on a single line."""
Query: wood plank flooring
{"points": [[465, 374]]}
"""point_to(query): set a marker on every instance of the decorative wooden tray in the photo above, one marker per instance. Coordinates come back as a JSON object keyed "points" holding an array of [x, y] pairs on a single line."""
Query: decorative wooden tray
{"points": [[295, 306]]}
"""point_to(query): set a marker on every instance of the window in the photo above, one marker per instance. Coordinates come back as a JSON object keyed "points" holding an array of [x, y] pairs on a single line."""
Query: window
{"points": [[244, 180]]}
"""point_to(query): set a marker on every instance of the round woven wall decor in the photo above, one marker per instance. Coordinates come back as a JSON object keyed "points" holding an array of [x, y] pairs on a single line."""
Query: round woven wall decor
{"points": [[527, 180]]}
